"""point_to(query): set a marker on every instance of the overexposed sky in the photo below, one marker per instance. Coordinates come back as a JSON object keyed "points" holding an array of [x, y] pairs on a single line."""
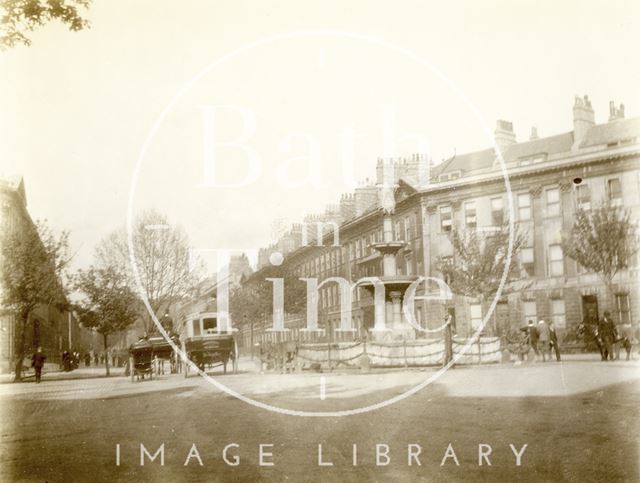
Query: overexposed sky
{"points": [[77, 107]]}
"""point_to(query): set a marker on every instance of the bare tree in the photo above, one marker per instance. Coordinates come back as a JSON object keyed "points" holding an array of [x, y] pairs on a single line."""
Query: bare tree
{"points": [[162, 263], [602, 240], [33, 263]]}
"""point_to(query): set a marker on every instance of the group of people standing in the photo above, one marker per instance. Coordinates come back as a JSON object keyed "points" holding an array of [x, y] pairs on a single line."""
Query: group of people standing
{"points": [[70, 360], [542, 339], [609, 339]]}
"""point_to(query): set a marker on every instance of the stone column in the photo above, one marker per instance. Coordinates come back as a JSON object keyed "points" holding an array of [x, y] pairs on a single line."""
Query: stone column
{"points": [[388, 259], [389, 265], [396, 300], [387, 229]]}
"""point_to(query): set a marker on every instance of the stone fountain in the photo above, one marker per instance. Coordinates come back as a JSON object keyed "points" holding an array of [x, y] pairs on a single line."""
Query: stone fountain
{"points": [[396, 327]]}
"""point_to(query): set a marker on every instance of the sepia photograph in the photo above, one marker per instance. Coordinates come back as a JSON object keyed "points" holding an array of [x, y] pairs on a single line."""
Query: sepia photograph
{"points": [[351, 241]]}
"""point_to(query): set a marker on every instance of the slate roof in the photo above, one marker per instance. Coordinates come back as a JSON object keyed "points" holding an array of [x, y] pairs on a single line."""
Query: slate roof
{"points": [[466, 162], [598, 135], [612, 132]]}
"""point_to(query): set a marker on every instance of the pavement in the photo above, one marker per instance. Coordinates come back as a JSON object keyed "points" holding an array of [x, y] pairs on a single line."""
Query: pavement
{"points": [[549, 379], [57, 375], [248, 365], [579, 419]]}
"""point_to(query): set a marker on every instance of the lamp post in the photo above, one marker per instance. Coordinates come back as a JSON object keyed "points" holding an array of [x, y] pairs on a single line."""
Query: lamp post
{"points": [[244, 317], [69, 328]]}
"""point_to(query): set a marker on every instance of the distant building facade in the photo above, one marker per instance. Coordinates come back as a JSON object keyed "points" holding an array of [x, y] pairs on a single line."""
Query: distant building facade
{"points": [[550, 177], [48, 327]]}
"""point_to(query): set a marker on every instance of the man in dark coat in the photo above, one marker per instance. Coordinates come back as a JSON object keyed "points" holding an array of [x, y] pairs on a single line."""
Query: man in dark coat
{"points": [[607, 334], [553, 339], [37, 362], [66, 361], [534, 336]]}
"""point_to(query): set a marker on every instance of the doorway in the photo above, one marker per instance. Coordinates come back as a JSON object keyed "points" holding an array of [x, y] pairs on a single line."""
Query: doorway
{"points": [[503, 326], [590, 309]]}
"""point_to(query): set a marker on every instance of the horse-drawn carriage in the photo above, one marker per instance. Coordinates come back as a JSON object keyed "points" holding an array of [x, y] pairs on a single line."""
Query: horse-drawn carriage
{"points": [[206, 346], [148, 354]]}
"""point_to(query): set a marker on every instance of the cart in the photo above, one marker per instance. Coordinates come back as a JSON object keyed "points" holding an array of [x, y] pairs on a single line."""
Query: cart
{"points": [[141, 360], [205, 345], [210, 351], [148, 354]]}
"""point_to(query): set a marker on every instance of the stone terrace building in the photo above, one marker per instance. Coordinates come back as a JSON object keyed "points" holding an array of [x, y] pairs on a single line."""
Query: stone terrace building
{"points": [[54, 330], [549, 177]]}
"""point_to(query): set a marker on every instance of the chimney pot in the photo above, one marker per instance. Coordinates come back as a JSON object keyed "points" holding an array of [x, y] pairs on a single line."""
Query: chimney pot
{"points": [[504, 135], [534, 133], [615, 113], [583, 119]]}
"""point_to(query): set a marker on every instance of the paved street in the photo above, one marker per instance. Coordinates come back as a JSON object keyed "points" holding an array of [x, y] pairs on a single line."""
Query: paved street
{"points": [[579, 420]]}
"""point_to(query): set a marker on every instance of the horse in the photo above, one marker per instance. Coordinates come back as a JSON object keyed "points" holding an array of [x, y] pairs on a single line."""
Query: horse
{"points": [[281, 356]]}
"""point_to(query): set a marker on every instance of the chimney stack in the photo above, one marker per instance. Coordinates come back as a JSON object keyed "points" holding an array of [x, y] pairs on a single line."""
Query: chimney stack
{"points": [[504, 135], [615, 113], [534, 133], [347, 206], [583, 118], [365, 198]]}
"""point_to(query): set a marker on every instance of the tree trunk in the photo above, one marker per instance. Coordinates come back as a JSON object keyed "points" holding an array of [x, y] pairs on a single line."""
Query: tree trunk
{"points": [[612, 297], [22, 327], [106, 354]]}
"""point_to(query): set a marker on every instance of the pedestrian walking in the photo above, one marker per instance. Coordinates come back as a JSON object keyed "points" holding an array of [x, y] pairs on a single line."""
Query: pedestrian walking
{"points": [[532, 336], [66, 361], [607, 334], [37, 362], [553, 339], [544, 338]]}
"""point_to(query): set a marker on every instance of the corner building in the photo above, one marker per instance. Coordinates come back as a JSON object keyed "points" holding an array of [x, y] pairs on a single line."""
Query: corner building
{"points": [[52, 329]]}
